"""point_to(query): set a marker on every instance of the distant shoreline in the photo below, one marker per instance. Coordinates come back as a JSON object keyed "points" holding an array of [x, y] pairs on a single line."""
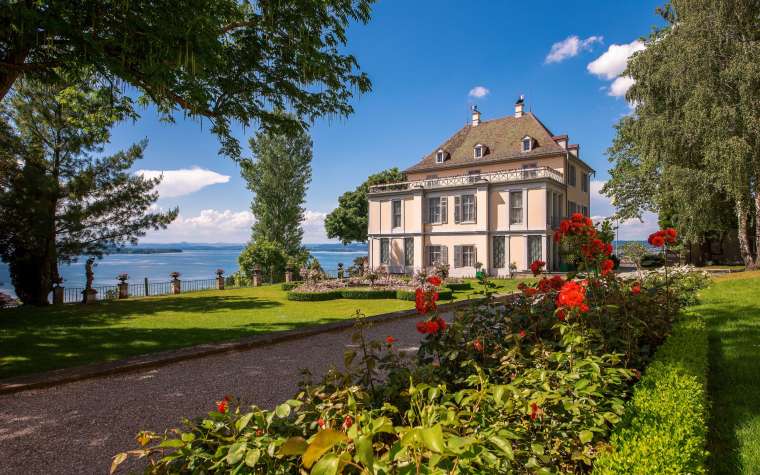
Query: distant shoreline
{"points": [[143, 250]]}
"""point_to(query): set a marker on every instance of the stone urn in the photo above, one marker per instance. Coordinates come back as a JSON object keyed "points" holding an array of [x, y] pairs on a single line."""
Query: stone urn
{"points": [[176, 283], [123, 286], [257, 275], [89, 296], [219, 279]]}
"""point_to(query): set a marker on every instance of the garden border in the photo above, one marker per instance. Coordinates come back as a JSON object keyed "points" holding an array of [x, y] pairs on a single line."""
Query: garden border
{"points": [[161, 358]]}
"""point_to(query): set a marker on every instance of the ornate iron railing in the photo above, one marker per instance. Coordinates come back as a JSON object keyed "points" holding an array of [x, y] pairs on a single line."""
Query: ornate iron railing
{"points": [[460, 180]]}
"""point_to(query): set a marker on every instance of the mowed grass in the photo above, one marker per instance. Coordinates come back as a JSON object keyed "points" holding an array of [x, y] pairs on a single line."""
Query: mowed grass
{"points": [[39, 339], [731, 307]]}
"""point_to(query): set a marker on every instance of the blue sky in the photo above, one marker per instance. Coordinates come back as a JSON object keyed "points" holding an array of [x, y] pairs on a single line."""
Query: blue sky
{"points": [[429, 61]]}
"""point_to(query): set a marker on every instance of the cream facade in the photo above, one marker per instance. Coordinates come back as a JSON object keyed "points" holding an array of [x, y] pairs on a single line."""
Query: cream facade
{"points": [[491, 194]]}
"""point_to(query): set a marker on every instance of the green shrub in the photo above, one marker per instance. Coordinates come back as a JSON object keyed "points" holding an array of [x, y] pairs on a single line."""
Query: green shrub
{"points": [[368, 293], [314, 296], [458, 285], [287, 286], [443, 294], [664, 428]]}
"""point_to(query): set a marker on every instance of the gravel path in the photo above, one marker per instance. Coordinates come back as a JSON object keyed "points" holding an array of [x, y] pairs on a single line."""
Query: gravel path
{"points": [[76, 428]]}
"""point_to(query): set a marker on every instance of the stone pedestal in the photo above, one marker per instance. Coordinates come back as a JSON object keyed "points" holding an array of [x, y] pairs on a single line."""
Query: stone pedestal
{"points": [[123, 290], [257, 276], [89, 296], [57, 295], [219, 282], [176, 286], [289, 275]]}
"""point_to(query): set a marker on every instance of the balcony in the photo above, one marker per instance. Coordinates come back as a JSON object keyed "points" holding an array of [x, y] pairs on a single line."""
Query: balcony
{"points": [[464, 180]]}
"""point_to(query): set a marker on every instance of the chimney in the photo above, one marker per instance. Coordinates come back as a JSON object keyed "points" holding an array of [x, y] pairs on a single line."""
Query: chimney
{"points": [[475, 116], [519, 106]]}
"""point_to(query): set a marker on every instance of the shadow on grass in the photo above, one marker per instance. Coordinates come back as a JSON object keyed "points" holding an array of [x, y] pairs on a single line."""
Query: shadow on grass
{"points": [[733, 381], [66, 347]]}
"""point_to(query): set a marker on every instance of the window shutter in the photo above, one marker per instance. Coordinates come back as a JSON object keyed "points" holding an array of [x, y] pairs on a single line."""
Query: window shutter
{"points": [[475, 207], [457, 256], [444, 210], [425, 217], [445, 255], [475, 252], [457, 209]]}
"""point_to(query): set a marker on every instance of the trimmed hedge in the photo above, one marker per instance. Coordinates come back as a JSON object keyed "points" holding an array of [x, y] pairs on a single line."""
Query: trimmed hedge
{"points": [[443, 294], [458, 286], [286, 286], [664, 429], [314, 296], [368, 294]]}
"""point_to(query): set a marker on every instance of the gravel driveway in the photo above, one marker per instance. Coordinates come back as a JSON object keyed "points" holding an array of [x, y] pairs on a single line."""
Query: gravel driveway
{"points": [[76, 428]]}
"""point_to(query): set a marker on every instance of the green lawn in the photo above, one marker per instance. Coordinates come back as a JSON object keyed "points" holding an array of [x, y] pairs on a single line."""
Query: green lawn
{"points": [[732, 309], [39, 339]]}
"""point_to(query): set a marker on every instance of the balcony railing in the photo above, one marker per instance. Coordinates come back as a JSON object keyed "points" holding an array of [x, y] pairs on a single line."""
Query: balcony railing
{"points": [[460, 180]]}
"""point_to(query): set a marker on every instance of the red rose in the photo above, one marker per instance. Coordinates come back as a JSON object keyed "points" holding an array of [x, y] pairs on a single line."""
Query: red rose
{"points": [[389, 339], [530, 291], [259, 432], [422, 327], [572, 295], [534, 411], [607, 266], [478, 345], [536, 266], [561, 314], [442, 323], [636, 288], [223, 405], [670, 235], [577, 217], [657, 241], [321, 423], [347, 422], [522, 333], [434, 280]]}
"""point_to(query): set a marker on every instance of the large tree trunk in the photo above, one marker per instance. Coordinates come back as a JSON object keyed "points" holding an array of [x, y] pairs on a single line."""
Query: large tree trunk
{"points": [[745, 237]]}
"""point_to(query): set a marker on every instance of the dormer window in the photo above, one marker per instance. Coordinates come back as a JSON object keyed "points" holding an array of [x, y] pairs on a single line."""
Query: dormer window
{"points": [[440, 156], [527, 144], [479, 151]]}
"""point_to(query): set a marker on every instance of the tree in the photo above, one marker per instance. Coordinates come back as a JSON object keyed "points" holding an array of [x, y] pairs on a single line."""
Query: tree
{"points": [[694, 140], [224, 60], [349, 221], [269, 255], [279, 176], [58, 198]]}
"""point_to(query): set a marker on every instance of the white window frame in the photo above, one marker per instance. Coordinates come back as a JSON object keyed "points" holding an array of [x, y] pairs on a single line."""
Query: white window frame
{"points": [[511, 207], [471, 255], [440, 156], [529, 141], [394, 215], [385, 257], [470, 207], [438, 250], [477, 152]]}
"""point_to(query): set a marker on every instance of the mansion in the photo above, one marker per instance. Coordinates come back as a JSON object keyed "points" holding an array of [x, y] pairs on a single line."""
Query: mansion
{"points": [[491, 194]]}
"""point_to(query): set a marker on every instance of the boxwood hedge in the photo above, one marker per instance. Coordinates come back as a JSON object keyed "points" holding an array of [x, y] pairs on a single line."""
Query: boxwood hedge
{"points": [[314, 296], [368, 293], [286, 286], [458, 286], [664, 428], [443, 294]]}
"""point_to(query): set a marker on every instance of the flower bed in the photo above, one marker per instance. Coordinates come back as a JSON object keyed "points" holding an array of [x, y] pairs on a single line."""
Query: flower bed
{"points": [[536, 385]]}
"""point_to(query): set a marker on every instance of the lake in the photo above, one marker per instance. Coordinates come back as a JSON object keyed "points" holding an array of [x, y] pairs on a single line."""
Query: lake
{"points": [[196, 261]]}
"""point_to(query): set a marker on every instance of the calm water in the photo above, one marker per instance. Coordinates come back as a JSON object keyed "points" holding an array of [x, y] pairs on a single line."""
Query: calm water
{"points": [[194, 262]]}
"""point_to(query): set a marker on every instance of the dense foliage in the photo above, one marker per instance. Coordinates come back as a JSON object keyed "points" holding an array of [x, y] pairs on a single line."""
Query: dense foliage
{"points": [[691, 149], [350, 220], [223, 60], [60, 197], [536, 385]]}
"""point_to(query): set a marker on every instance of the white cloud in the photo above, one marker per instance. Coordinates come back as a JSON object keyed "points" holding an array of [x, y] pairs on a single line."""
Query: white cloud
{"points": [[183, 181], [629, 229], [569, 47], [620, 86], [613, 62], [228, 226], [478, 91]]}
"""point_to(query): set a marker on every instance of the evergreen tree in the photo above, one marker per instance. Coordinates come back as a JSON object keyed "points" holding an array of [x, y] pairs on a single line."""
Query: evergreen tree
{"points": [[59, 197], [279, 175], [223, 60], [349, 221]]}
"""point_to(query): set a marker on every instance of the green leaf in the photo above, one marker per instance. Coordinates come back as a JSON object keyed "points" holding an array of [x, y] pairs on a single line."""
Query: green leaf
{"points": [[282, 411], [328, 465], [537, 449], [171, 443], [586, 436], [503, 445], [241, 423], [321, 443], [252, 457], [293, 446], [364, 452], [581, 384], [432, 437], [236, 453]]}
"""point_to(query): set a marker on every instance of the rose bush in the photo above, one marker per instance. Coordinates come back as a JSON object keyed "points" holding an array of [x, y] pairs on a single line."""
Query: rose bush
{"points": [[533, 384]]}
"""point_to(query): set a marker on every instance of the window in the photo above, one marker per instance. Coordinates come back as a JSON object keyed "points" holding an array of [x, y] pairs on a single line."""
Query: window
{"points": [[385, 254], [571, 175], [465, 209], [440, 156], [479, 151], [572, 208], [530, 170], [396, 210], [437, 255], [585, 211], [409, 251], [515, 207], [527, 144], [465, 256], [584, 181], [499, 254], [535, 251], [437, 210]]}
